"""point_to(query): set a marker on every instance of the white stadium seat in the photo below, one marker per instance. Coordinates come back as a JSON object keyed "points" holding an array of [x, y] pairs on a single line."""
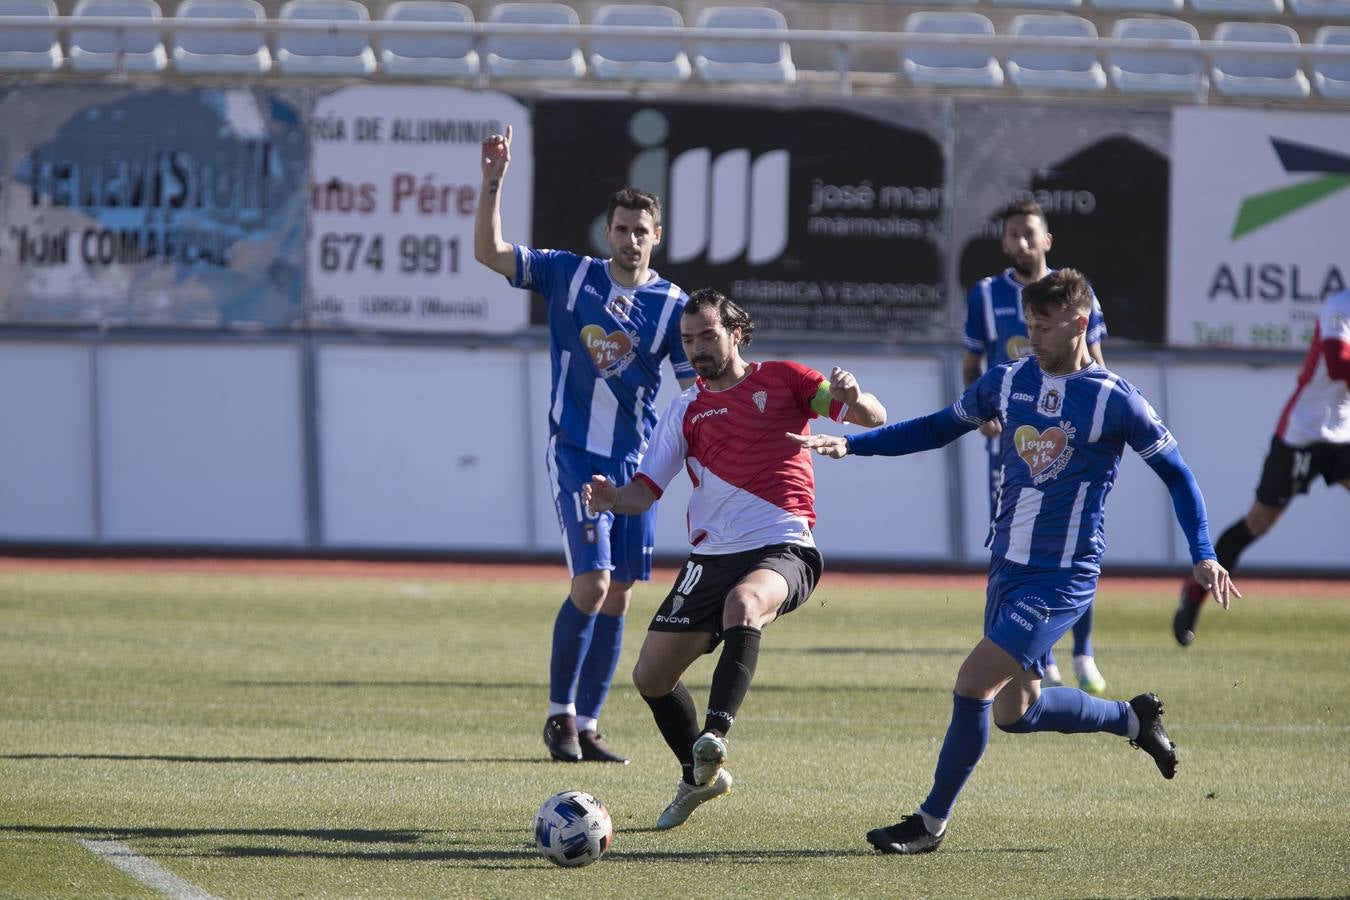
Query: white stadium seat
{"points": [[28, 51], [537, 55], [321, 53], [759, 62], [632, 59], [1257, 76], [430, 55], [954, 66], [1156, 71], [221, 51], [1332, 77], [105, 50], [1055, 70]]}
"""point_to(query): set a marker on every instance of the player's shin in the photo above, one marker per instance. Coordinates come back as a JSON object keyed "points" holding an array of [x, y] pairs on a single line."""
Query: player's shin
{"points": [[677, 720]]}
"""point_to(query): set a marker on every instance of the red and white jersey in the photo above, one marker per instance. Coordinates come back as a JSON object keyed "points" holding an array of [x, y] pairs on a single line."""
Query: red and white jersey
{"points": [[753, 486], [1319, 410]]}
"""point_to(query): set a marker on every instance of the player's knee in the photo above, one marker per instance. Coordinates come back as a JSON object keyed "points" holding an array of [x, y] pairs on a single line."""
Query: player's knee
{"points": [[617, 599], [649, 682], [746, 607], [589, 590]]}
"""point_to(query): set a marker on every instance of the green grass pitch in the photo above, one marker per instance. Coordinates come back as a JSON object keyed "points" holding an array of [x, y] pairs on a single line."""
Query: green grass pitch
{"points": [[292, 736]]}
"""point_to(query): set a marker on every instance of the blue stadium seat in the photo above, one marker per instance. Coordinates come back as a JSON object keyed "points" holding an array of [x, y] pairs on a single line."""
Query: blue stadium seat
{"points": [[1054, 70], [104, 50], [221, 51], [1156, 71], [433, 55], [1332, 77], [28, 51], [760, 62], [950, 66], [1040, 4], [631, 59], [535, 56], [320, 53], [1250, 76]]}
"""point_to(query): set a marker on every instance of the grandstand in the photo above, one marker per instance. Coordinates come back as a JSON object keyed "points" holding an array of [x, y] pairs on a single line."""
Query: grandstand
{"points": [[1216, 50]]}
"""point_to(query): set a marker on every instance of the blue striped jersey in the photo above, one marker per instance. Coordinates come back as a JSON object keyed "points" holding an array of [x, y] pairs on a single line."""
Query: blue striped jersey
{"points": [[996, 326], [607, 343], [1063, 437]]}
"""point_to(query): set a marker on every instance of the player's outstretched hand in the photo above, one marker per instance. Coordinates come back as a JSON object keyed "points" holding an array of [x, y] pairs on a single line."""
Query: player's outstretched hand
{"points": [[1214, 577], [600, 495], [831, 445], [496, 155], [844, 386], [992, 429]]}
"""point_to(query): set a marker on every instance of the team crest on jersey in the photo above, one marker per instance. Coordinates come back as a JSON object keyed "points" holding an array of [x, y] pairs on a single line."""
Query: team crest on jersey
{"points": [[1051, 401], [619, 306], [676, 603], [611, 352], [761, 398], [1047, 452]]}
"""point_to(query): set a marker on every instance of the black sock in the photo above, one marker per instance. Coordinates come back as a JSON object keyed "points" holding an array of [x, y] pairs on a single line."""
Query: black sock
{"points": [[677, 720], [1232, 542], [731, 678]]}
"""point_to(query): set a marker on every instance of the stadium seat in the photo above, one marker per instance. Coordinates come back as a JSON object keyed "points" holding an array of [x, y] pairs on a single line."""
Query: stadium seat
{"points": [[1139, 6], [631, 59], [1040, 4], [221, 51], [758, 62], [535, 55], [1054, 70], [320, 53], [1238, 7], [434, 55], [1156, 71], [1332, 77], [950, 66], [1254, 76], [106, 50], [1321, 9], [28, 51]]}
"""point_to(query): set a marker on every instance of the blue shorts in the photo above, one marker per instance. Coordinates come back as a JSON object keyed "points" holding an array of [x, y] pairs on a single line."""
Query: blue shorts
{"points": [[1027, 609], [622, 544]]}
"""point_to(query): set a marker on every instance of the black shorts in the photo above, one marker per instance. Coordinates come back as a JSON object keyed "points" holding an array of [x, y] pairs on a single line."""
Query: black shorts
{"points": [[700, 591], [1289, 470]]}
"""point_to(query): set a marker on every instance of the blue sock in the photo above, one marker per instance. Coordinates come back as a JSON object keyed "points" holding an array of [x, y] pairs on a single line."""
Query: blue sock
{"points": [[571, 638], [967, 736], [1082, 633], [1070, 711], [597, 669]]}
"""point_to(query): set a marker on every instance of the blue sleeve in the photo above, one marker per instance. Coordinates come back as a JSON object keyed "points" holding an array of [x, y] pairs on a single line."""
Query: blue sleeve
{"points": [[974, 337], [543, 270], [1096, 330], [911, 436], [1143, 429], [678, 358], [1187, 501]]}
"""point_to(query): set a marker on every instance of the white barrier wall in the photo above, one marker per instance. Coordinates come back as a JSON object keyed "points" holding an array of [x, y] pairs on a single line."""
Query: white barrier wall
{"points": [[418, 447]]}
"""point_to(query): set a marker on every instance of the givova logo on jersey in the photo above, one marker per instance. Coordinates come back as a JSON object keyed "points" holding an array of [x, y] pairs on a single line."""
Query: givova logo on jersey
{"points": [[722, 207]]}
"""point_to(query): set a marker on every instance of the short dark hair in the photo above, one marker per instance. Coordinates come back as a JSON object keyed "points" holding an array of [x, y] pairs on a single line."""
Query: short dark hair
{"points": [[1024, 208], [731, 315], [633, 198], [1063, 289]]}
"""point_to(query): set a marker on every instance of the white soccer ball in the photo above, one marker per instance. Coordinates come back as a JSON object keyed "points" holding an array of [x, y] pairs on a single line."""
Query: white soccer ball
{"points": [[572, 828]]}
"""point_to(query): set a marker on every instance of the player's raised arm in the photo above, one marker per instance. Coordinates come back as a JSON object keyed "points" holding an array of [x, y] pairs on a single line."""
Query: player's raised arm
{"points": [[603, 495], [910, 436], [488, 246]]}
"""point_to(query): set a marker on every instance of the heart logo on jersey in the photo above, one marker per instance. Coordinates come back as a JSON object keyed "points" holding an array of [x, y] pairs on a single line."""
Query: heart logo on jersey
{"points": [[1039, 449], [605, 349]]}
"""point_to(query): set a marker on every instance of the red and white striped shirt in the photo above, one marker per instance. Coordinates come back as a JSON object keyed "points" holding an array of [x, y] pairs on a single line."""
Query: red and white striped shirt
{"points": [[1319, 410], [753, 486]]}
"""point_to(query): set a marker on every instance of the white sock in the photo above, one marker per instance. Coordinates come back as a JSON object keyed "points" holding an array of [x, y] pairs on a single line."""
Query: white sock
{"points": [[934, 825], [585, 723], [1132, 728], [561, 709]]}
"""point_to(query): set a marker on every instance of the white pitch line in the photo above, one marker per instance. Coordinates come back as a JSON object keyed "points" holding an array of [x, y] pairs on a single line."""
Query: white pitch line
{"points": [[147, 872]]}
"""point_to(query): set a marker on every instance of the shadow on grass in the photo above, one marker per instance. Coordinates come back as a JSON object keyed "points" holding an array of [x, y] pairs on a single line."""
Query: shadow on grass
{"points": [[876, 651], [349, 835], [468, 685], [274, 760], [511, 686]]}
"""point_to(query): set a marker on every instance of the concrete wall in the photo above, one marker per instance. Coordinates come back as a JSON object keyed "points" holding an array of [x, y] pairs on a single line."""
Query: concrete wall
{"points": [[368, 445]]}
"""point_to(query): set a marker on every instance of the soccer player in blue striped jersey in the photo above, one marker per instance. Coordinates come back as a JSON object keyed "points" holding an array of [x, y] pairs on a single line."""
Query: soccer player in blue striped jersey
{"points": [[1068, 421], [612, 322], [995, 333]]}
